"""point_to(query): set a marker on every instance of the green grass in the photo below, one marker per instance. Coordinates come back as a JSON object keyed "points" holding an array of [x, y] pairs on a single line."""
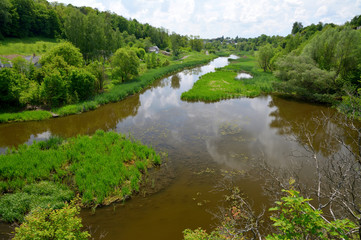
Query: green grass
{"points": [[26, 46], [101, 168], [223, 84], [24, 116]]}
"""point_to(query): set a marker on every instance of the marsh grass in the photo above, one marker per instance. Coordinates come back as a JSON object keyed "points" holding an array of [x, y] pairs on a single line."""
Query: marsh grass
{"points": [[13, 207], [101, 168], [223, 84]]}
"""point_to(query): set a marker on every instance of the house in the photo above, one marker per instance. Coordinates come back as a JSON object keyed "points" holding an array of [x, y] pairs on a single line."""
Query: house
{"points": [[1, 65], [153, 49], [33, 59]]}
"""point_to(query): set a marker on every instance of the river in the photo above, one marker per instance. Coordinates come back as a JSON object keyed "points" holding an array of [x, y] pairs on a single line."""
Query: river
{"points": [[204, 141]]}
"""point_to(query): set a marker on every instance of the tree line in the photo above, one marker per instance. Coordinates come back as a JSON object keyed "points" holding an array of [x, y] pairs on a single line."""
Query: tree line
{"points": [[96, 33]]}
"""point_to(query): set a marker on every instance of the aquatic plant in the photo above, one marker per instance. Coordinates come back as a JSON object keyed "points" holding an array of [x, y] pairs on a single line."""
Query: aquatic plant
{"points": [[97, 167]]}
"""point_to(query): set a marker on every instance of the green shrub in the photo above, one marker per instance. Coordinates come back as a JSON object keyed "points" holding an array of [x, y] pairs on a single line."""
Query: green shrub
{"points": [[59, 224], [82, 83], [67, 51], [55, 89], [14, 206]]}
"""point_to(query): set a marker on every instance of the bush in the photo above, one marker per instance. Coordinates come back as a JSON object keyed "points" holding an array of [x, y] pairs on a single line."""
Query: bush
{"points": [[11, 85], [67, 51], [82, 84], [54, 89], [125, 64], [44, 224], [302, 78], [296, 219]]}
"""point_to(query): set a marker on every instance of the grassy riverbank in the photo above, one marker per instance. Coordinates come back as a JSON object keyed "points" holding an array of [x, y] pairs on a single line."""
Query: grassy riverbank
{"points": [[116, 93], [223, 84], [103, 168]]}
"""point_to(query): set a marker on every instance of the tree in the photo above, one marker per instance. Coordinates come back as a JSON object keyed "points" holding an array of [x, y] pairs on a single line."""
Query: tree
{"points": [[125, 64], [303, 79], [67, 51], [55, 89], [176, 41], [12, 84], [82, 84], [297, 27], [264, 56], [5, 16]]}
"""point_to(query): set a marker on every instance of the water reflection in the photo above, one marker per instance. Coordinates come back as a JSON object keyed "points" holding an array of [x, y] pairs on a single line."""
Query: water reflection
{"points": [[175, 81], [293, 118]]}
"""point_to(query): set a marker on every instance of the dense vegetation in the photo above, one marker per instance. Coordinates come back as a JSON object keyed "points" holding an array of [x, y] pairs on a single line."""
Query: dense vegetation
{"points": [[97, 51], [317, 63], [57, 224], [224, 84], [102, 168]]}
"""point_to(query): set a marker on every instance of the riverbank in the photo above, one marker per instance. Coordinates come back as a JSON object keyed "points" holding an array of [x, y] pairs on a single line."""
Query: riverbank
{"points": [[101, 169], [116, 93]]}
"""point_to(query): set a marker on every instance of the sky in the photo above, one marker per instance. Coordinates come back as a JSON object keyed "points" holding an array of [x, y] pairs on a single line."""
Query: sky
{"points": [[229, 18]]}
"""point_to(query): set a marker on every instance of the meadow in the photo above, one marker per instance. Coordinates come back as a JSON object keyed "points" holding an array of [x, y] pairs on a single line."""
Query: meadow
{"points": [[26, 46], [102, 168], [223, 84]]}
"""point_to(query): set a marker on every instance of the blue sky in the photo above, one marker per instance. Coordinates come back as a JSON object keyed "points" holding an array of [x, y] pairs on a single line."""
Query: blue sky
{"points": [[243, 18]]}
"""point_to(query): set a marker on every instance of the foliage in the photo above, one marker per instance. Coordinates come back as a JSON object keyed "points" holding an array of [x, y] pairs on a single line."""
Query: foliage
{"points": [[117, 93], [298, 220], [297, 27], [14, 206], [97, 69], [54, 89], [82, 84], [295, 219], [264, 56], [176, 43], [200, 234], [102, 166], [125, 64], [337, 50], [302, 78], [67, 51], [12, 84], [56, 224]]}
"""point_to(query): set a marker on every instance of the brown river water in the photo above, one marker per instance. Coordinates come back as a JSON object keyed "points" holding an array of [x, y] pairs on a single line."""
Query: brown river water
{"points": [[204, 141]]}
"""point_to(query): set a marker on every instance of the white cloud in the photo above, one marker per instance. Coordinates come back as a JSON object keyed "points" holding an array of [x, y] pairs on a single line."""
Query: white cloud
{"points": [[245, 18], [321, 11]]}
